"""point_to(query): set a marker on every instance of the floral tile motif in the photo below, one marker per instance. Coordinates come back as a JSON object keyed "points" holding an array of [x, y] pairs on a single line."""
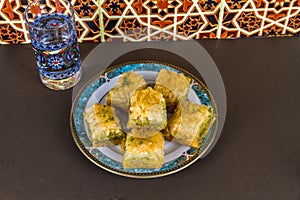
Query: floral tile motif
{"points": [[259, 18], [8, 10], [293, 24], [137, 20], [162, 36]]}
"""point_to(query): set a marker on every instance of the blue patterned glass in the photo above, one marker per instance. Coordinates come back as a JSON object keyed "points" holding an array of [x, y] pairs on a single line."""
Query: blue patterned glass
{"points": [[54, 40]]}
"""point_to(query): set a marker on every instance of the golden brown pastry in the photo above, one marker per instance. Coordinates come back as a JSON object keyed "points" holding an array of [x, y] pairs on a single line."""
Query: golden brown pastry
{"points": [[125, 87], [147, 110], [189, 124], [144, 152], [174, 87], [103, 125]]}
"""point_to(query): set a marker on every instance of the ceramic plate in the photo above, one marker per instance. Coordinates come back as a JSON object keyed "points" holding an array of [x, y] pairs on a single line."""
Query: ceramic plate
{"points": [[177, 157]]}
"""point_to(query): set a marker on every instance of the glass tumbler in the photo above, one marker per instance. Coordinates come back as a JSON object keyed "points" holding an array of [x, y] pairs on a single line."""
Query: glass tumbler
{"points": [[53, 37]]}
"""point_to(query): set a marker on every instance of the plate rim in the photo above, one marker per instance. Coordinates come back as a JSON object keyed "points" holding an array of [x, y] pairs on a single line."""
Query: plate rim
{"points": [[143, 175]]}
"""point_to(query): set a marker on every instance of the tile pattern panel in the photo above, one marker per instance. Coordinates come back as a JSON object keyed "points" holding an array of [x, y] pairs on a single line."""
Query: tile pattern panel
{"points": [[87, 18], [13, 27], [147, 20], [260, 18], [138, 20]]}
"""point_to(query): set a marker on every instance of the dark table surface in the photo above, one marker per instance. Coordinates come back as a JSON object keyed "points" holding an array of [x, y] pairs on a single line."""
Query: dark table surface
{"points": [[256, 157]]}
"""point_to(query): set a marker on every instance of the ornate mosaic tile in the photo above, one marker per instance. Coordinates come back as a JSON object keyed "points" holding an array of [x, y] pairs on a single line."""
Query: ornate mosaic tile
{"points": [[13, 27], [259, 18], [137, 20], [147, 20], [293, 23], [87, 18], [12, 33]]}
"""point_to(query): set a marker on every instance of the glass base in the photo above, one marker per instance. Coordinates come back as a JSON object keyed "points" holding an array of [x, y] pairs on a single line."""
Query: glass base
{"points": [[61, 84]]}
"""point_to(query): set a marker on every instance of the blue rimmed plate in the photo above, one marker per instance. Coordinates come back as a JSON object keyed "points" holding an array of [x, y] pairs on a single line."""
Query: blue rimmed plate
{"points": [[177, 157]]}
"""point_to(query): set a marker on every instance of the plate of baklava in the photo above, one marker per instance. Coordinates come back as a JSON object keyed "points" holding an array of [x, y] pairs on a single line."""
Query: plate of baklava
{"points": [[144, 119]]}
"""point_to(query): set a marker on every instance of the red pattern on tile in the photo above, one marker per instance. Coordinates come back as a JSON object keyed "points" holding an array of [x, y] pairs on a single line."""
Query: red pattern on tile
{"points": [[10, 35], [35, 9], [190, 26], [259, 18], [59, 8], [7, 9], [162, 23], [186, 5], [294, 22], [162, 36], [85, 8], [249, 22], [208, 5], [139, 6], [133, 29], [114, 7], [234, 4]]}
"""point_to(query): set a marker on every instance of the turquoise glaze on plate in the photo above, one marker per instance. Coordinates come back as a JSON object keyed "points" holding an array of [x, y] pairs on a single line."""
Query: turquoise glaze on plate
{"points": [[111, 161]]}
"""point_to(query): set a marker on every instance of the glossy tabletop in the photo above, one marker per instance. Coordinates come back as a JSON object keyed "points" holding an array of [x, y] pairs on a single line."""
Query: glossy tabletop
{"points": [[256, 157]]}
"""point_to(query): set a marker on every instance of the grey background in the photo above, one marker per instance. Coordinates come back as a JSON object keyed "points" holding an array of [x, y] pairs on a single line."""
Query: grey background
{"points": [[256, 157]]}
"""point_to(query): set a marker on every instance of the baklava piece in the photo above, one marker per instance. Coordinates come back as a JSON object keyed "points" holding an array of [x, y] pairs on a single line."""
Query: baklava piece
{"points": [[103, 125]]}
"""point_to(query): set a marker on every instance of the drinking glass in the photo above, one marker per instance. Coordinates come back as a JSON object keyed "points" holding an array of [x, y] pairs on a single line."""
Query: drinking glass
{"points": [[53, 36]]}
